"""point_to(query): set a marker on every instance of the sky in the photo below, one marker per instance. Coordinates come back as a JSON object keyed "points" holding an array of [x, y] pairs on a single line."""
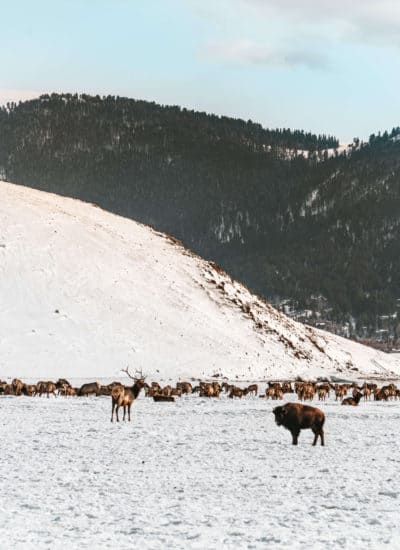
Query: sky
{"points": [[327, 66]]}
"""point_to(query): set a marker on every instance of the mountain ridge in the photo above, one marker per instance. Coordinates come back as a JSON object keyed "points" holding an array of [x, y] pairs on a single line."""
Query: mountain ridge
{"points": [[292, 227]]}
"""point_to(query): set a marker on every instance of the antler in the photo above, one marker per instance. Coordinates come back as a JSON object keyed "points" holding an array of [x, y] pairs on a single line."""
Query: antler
{"points": [[140, 377]]}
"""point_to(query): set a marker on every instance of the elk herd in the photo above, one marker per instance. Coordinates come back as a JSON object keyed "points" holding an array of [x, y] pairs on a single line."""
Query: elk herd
{"points": [[124, 396]]}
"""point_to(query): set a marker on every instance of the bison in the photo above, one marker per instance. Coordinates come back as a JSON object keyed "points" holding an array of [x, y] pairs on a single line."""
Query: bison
{"points": [[295, 417]]}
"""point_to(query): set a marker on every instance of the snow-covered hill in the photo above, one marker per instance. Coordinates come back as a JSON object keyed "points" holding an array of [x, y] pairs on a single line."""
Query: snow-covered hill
{"points": [[84, 293]]}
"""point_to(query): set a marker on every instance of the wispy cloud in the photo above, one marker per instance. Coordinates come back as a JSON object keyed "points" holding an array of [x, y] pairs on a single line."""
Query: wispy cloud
{"points": [[376, 22], [248, 52]]}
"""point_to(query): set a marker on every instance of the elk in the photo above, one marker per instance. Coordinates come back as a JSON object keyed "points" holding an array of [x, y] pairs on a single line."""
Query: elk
{"points": [[381, 394], [236, 392], [90, 388], [164, 398], [253, 388], [124, 396], [353, 401], [367, 393], [326, 386], [322, 394], [61, 384], [278, 394], [17, 386], [209, 389], [306, 392], [227, 387], [270, 393], [28, 389], [186, 387], [8, 390], [46, 387], [287, 387], [166, 390], [340, 391]]}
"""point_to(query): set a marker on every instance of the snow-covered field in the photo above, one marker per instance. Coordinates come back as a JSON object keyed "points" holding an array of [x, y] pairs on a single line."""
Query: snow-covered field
{"points": [[201, 474], [83, 293]]}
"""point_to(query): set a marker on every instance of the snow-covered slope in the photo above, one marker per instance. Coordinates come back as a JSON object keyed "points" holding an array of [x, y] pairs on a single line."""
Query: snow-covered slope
{"points": [[84, 293]]}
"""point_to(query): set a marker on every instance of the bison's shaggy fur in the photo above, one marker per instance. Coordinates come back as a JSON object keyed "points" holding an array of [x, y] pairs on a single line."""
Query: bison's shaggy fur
{"points": [[295, 417]]}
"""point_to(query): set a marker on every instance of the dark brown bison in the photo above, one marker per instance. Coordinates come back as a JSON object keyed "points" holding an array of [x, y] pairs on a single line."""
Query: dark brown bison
{"points": [[295, 417]]}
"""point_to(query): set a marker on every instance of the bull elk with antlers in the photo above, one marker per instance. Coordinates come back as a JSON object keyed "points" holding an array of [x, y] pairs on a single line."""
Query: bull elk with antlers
{"points": [[124, 396]]}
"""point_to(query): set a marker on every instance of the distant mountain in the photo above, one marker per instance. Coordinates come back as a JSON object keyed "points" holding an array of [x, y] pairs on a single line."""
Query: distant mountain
{"points": [[84, 292], [280, 210]]}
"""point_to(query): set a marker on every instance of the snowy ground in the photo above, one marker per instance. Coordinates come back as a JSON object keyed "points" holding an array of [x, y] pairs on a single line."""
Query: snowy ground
{"points": [[199, 474], [83, 293]]}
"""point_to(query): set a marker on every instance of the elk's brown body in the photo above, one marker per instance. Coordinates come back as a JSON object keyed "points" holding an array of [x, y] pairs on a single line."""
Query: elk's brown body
{"points": [[253, 388], [46, 387], [89, 389], [124, 396], [353, 401]]}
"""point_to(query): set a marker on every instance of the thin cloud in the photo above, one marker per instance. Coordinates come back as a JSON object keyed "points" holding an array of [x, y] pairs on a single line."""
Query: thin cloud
{"points": [[247, 52], [376, 22]]}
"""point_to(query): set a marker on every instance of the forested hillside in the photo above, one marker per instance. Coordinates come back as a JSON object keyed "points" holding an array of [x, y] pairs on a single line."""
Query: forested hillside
{"points": [[296, 224]]}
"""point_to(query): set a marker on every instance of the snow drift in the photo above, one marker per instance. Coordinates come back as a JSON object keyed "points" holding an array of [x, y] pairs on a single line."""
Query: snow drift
{"points": [[85, 293]]}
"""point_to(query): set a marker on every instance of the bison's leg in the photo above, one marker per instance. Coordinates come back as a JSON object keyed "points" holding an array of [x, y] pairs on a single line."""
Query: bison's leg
{"points": [[112, 408], [318, 431], [316, 434], [295, 436]]}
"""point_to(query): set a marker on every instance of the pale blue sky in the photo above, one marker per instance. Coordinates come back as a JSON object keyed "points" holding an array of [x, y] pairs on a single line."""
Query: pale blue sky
{"points": [[331, 67]]}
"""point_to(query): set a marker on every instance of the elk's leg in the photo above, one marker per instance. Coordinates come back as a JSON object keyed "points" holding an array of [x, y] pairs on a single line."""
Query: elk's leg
{"points": [[124, 412], [112, 408], [116, 412], [129, 412]]}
